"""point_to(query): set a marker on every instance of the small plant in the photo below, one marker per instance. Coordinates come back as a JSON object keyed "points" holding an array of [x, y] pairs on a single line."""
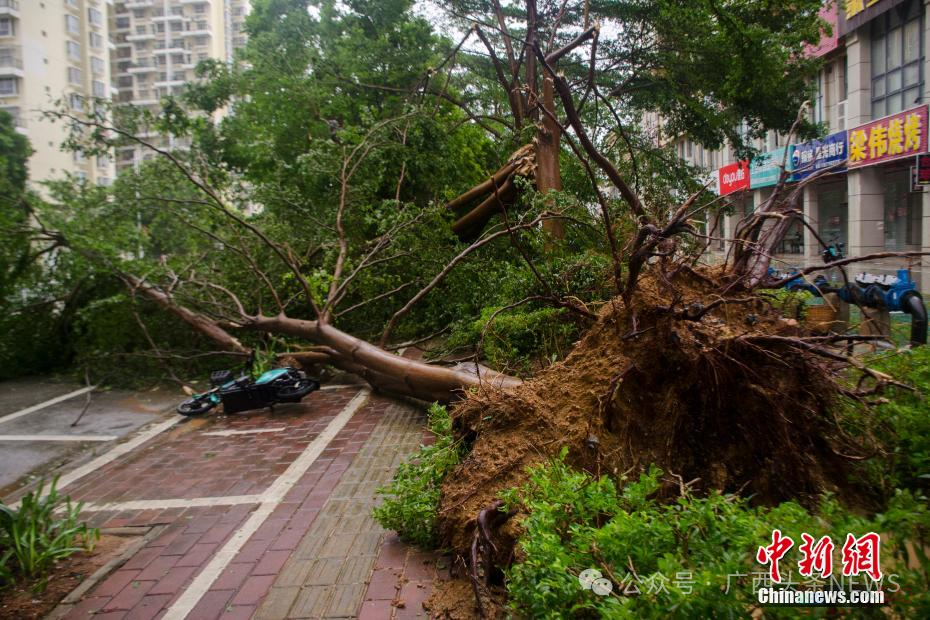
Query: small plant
{"points": [[43, 530], [412, 498], [689, 557]]}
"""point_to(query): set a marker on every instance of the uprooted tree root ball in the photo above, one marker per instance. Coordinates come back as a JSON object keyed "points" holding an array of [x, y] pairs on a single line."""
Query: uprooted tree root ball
{"points": [[724, 402]]}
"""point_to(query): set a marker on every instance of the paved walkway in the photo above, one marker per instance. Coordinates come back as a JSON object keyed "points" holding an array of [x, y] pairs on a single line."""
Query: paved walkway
{"points": [[261, 515]]}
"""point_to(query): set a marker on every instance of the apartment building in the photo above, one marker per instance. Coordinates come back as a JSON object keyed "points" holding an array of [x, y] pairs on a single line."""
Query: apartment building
{"points": [[54, 50], [871, 95], [158, 43]]}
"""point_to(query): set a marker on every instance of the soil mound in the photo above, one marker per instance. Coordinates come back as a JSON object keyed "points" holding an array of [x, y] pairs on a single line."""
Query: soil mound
{"points": [[705, 389]]}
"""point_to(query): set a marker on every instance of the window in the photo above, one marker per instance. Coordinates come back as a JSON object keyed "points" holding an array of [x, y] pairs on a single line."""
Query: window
{"points": [[817, 111], [902, 213], [74, 75], [8, 86], [202, 8], [897, 74], [99, 88], [76, 102], [74, 50], [122, 22], [96, 40], [78, 157], [103, 161], [94, 16], [832, 213], [7, 28], [177, 26], [72, 24], [97, 65]]}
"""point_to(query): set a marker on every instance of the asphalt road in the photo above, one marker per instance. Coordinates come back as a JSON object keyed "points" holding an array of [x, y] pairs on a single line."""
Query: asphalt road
{"points": [[36, 416]]}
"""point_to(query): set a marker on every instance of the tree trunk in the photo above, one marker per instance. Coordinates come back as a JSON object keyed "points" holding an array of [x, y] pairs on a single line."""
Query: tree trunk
{"points": [[383, 370], [548, 175]]}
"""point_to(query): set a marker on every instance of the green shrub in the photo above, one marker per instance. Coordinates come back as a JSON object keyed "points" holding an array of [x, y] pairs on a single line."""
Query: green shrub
{"points": [[412, 498], [43, 530], [906, 420], [518, 337], [791, 304], [678, 559]]}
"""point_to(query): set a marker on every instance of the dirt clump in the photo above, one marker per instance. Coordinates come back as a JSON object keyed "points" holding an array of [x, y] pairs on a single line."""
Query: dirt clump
{"points": [[715, 393]]}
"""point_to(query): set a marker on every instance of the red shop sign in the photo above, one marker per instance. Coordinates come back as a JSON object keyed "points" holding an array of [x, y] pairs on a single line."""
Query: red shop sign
{"points": [[900, 135], [734, 177]]}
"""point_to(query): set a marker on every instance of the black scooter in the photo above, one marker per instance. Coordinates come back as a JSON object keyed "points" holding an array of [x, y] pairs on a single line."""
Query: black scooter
{"points": [[281, 385]]}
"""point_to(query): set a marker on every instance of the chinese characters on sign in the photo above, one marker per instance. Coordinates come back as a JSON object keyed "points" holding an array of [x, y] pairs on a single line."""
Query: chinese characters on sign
{"points": [[809, 157], [854, 7], [734, 177], [860, 555], [893, 137], [765, 169]]}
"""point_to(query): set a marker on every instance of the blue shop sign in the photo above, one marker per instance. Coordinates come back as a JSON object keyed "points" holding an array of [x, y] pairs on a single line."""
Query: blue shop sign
{"points": [[809, 157]]}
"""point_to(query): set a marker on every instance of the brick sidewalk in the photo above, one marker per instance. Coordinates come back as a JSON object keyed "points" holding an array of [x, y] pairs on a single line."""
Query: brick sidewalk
{"points": [[273, 523], [328, 574]]}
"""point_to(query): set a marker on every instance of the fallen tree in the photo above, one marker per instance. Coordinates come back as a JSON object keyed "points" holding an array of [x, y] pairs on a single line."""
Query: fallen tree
{"points": [[684, 365]]}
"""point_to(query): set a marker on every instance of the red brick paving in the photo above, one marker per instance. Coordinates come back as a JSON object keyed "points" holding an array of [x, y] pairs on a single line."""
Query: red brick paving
{"points": [[402, 581], [188, 463], [174, 466]]}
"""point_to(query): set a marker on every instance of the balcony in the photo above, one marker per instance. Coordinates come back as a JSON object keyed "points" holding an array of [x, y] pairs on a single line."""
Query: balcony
{"points": [[11, 61], [171, 48], [9, 7], [193, 32], [139, 4], [141, 67], [18, 121], [144, 36]]}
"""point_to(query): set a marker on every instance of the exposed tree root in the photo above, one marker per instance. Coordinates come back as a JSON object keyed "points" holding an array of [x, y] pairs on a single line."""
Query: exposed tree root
{"points": [[723, 392]]}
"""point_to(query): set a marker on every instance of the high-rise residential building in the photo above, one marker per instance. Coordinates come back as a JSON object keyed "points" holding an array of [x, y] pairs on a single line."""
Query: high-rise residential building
{"points": [[54, 50], [157, 45]]}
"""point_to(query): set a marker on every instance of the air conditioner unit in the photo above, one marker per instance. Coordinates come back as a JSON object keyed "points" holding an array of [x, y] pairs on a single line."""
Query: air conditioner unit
{"points": [[841, 116]]}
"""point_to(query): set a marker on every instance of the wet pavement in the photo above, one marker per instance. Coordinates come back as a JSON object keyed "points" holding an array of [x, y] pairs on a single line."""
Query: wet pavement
{"points": [[36, 417], [266, 514]]}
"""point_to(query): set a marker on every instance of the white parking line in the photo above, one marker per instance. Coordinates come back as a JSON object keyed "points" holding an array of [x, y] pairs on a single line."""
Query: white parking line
{"points": [[270, 499], [253, 431], [58, 437], [117, 451], [154, 504], [120, 449], [48, 403]]}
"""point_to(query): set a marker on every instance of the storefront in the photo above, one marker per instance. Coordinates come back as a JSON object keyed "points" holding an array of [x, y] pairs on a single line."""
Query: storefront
{"points": [[833, 212], [903, 211]]}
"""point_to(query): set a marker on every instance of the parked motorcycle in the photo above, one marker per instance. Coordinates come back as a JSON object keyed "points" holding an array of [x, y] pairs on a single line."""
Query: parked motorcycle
{"points": [[281, 385]]}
